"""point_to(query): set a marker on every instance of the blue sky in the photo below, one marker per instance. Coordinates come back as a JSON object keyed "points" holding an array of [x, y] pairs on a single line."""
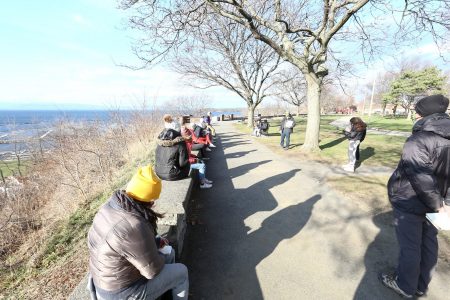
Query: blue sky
{"points": [[64, 54], [57, 54]]}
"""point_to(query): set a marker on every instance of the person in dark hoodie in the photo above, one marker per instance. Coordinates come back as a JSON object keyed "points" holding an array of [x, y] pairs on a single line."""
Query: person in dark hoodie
{"points": [[172, 156], [418, 186]]}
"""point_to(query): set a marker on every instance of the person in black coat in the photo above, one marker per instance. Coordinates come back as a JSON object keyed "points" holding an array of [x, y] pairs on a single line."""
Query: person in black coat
{"points": [[418, 186], [172, 156]]}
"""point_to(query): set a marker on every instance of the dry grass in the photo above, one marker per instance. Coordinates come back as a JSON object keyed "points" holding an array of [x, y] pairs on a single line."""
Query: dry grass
{"points": [[45, 218], [367, 192]]}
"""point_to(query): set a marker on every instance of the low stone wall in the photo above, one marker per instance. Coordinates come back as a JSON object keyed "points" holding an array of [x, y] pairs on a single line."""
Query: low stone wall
{"points": [[173, 203]]}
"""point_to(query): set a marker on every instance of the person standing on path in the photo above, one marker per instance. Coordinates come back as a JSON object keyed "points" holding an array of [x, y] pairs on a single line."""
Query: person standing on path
{"points": [[418, 186], [355, 133], [286, 128]]}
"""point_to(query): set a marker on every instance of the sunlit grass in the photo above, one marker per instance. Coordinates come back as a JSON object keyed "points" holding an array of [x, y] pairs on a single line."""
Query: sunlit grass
{"points": [[376, 150]]}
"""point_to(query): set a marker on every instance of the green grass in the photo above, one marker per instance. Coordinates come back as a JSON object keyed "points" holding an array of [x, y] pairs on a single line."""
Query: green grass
{"points": [[376, 150], [9, 168], [397, 124]]}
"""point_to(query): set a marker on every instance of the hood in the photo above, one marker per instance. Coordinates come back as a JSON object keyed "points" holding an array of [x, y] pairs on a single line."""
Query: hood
{"points": [[438, 123], [169, 137]]}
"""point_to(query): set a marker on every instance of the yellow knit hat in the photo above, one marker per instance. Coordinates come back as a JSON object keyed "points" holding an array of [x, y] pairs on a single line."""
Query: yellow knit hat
{"points": [[145, 186]]}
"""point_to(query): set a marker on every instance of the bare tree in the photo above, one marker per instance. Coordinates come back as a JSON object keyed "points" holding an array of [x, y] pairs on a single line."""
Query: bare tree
{"points": [[196, 105], [291, 88], [300, 32], [223, 53]]}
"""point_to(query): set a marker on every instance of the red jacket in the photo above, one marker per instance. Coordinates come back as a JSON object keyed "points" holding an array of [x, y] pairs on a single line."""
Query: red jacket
{"points": [[192, 158]]}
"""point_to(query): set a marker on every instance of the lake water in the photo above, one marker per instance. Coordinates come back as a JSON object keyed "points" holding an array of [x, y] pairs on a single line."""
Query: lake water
{"points": [[23, 124]]}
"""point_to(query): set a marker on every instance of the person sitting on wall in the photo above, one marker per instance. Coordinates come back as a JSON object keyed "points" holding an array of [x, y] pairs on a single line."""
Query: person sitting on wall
{"points": [[127, 259], [197, 164], [264, 130], [207, 119], [171, 156], [186, 131], [200, 135]]}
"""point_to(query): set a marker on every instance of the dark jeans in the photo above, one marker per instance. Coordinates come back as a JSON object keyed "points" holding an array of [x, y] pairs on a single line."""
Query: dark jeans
{"points": [[357, 153], [418, 243], [285, 135], [200, 147]]}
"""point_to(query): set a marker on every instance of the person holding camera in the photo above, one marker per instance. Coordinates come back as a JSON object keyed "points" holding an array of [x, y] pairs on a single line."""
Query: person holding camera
{"points": [[286, 128]]}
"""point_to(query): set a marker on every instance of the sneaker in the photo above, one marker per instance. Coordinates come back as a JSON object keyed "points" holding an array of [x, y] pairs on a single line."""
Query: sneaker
{"points": [[207, 149], [212, 146], [208, 181], [420, 293], [349, 168], [205, 185], [390, 281]]}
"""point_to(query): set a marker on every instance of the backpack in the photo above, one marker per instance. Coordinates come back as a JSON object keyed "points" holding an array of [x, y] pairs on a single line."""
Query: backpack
{"points": [[264, 125], [289, 123]]}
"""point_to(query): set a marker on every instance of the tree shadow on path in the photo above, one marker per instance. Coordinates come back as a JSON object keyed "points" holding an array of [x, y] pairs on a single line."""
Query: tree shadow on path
{"points": [[238, 154], [221, 254], [380, 256]]}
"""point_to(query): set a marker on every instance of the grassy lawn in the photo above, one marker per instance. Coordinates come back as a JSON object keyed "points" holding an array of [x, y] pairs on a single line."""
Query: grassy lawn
{"points": [[397, 124], [373, 195], [9, 168], [376, 150]]}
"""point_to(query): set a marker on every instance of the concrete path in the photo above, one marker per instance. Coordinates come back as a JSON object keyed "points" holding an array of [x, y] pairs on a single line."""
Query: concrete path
{"points": [[269, 229]]}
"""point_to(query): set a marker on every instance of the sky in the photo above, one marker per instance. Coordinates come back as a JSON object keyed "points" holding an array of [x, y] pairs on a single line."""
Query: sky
{"points": [[66, 54]]}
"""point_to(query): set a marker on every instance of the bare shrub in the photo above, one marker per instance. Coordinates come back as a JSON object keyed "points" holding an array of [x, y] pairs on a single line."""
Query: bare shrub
{"points": [[80, 160]]}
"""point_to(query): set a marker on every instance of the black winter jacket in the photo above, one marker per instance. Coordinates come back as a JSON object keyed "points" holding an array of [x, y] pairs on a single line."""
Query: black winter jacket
{"points": [[172, 157], [354, 135], [421, 179]]}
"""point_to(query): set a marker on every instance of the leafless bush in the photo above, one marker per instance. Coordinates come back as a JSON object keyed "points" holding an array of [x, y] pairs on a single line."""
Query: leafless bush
{"points": [[80, 160]]}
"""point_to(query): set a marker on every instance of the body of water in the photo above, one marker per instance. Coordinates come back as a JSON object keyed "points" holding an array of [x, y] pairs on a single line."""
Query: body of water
{"points": [[18, 125], [22, 124]]}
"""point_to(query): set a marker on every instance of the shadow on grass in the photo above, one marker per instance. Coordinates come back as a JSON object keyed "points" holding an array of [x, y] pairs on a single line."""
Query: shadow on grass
{"points": [[295, 145], [333, 143], [366, 153]]}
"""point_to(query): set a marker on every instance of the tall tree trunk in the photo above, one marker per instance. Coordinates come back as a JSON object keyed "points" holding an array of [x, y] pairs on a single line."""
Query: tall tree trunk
{"points": [[298, 110], [314, 87], [250, 115], [409, 114]]}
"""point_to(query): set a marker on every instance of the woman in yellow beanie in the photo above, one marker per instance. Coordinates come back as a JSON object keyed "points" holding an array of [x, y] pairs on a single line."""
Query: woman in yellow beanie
{"points": [[125, 254]]}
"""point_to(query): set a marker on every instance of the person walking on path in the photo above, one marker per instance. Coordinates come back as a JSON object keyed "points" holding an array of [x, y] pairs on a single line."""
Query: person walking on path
{"points": [[127, 259], [355, 133], [286, 128], [418, 186]]}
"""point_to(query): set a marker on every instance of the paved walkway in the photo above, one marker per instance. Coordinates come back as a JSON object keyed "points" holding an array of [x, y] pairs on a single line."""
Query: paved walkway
{"points": [[271, 230]]}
